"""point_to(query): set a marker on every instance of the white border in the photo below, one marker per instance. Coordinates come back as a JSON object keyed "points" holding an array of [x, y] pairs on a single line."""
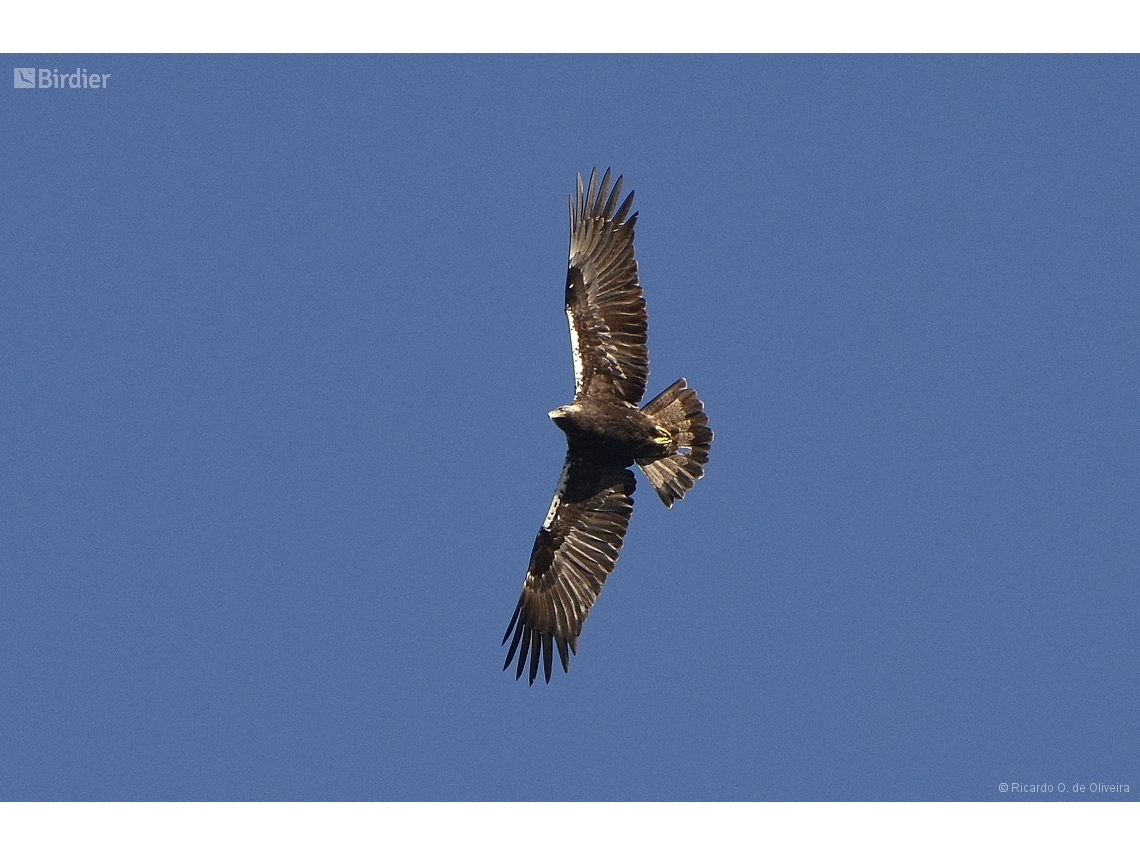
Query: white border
{"points": [[590, 26], [596, 828]]}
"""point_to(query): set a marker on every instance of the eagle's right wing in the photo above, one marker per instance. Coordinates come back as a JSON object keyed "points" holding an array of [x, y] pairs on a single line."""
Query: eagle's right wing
{"points": [[574, 552], [604, 302]]}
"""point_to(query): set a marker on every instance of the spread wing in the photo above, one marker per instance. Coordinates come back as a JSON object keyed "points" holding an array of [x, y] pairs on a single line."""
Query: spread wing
{"points": [[575, 550], [603, 298]]}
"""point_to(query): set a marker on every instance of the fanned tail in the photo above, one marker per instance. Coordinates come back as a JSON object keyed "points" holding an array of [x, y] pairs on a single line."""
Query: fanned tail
{"points": [[680, 411]]}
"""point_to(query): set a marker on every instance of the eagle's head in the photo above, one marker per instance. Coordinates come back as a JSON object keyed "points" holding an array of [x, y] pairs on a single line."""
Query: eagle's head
{"points": [[564, 412], [564, 416]]}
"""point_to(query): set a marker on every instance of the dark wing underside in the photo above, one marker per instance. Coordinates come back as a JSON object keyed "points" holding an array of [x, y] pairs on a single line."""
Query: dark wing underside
{"points": [[603, 298], [575, 550]]}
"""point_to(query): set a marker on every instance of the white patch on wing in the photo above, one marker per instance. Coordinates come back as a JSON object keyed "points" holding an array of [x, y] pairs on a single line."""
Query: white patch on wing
{"points": [[575, 350], [558, 491]]}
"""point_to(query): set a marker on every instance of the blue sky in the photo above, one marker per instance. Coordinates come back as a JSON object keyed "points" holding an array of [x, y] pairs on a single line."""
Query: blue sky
{"points": [[278, 337]]}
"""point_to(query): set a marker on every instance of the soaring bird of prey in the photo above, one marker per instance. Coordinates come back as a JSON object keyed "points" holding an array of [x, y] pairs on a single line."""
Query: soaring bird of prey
{"points": [[606, 433]]}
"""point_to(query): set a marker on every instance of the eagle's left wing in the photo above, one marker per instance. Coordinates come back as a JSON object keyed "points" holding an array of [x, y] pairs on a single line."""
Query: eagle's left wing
{"points": [[574, 552], [604, 302]]}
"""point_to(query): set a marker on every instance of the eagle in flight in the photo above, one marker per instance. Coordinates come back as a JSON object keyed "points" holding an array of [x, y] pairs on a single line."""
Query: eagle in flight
{"points": [[606, 433]]}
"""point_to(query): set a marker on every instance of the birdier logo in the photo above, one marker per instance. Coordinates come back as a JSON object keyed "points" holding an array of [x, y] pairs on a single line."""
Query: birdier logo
{"points": [[50, 78]]}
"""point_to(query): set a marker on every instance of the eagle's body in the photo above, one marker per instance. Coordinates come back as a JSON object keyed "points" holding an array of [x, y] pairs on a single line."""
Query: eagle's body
{"points": [[616, 433], [606, 433]]}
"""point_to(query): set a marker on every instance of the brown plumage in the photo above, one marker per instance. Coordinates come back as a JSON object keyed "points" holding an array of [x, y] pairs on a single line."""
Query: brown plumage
{"points": [[606, 433]]}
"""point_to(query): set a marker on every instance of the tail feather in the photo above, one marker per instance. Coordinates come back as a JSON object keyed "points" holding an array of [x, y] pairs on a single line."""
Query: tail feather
{"points": [[679, 410]]}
